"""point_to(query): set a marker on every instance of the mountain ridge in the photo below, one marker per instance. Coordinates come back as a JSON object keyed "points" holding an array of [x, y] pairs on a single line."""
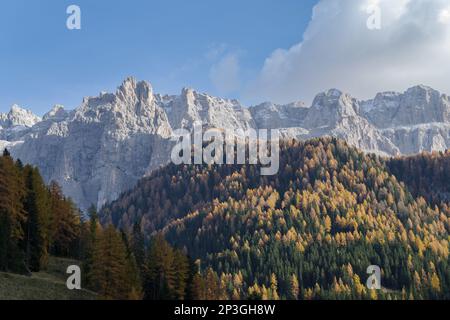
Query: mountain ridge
{"points": [[86, 149]]}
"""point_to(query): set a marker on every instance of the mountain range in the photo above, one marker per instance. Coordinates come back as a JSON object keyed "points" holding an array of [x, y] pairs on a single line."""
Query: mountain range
{"points": [[103, 147]]}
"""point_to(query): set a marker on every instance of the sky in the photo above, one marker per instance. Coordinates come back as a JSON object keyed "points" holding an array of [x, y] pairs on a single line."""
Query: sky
{"points": [[253, 50], [209, 45]]}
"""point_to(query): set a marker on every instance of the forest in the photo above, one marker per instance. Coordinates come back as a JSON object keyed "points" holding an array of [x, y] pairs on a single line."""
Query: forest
{"points": [[426, 175], [308, 232], [38, 222], [201, 232]]}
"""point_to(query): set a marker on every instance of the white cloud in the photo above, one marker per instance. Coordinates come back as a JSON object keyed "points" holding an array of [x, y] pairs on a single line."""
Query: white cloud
{"points": [[339, 51], [444, 16], [225, 74]]}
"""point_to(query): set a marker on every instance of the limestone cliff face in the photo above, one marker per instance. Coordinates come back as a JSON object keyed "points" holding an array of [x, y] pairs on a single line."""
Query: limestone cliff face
{"points": [[103, 147]]}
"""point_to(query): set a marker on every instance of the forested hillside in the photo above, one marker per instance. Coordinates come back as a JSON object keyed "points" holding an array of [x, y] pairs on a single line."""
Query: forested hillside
{"points": [[308, 232], [38, 222], [226, 232], [426, 175], [35, 220]]}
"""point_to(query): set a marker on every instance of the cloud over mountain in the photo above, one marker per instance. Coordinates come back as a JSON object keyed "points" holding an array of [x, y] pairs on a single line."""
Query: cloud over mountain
{"points": [[225, 73], [339, 50]]}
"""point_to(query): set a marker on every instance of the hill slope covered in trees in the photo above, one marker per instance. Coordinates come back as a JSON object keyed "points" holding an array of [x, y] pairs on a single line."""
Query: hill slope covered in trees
{"points": [[37, 223], [308, 232], [427, 174]]}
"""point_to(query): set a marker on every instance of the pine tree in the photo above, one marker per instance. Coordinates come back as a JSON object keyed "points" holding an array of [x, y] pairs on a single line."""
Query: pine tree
{"points": [[90, 244], [12, 215], [37, 236], [198, 288], [212, 285], [274, 287], [138, 247], [435, 283], [66, 223], [133, 272], [109, 274], [294, 289], [160, 271], [93, 222], [181, 266]]}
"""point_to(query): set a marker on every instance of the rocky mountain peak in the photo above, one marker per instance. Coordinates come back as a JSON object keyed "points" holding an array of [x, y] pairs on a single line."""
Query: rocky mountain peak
{"points": [[329, 108], [187, 92], [421, 104], [19, 116], [387, 95], [56, 113], [422, 94], [333, 98], [334, 93], [421, 89], [133, 92], [133, 104]]}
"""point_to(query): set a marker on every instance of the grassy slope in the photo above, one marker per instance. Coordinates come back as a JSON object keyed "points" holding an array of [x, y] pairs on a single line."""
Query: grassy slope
{"points": [[45, 285]]}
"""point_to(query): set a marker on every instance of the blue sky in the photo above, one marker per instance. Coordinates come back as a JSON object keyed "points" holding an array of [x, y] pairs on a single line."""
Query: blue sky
{"points": [[171, 43]]}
